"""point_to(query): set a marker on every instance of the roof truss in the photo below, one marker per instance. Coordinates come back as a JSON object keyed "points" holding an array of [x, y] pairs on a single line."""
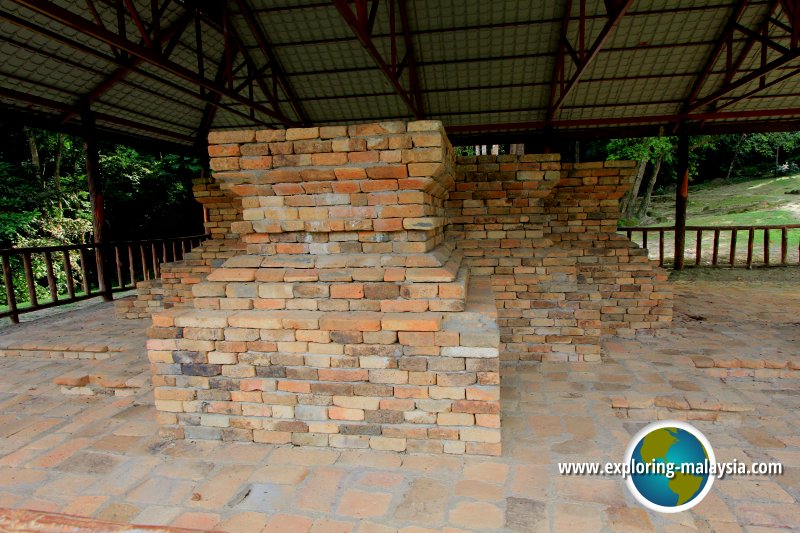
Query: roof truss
{"points": [[361, 20], [154, 47], [770, 46], [576, 58]]}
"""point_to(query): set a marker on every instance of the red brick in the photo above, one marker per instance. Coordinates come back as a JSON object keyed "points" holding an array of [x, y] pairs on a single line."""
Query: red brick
{"points": [[223, 150], [256, 162], [224, 163], [286, 189], [339, 158], [404, 306], [342, 374], [347, 187], [379, 185], [363, 157], [302, 387], [343, 413], [387, 172], [233, 136], [317, 175], [350, 322], [350, 173], [416, 338], [388, 224], [412, 322], [469, 406], [348, 290]]}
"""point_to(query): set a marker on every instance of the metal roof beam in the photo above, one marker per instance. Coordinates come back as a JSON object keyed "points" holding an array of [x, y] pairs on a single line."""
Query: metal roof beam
{"points": [[172, 34], [39, 101], [359, 23], [561, 88], [93, 52], [75, 22], [272, 60], [766, 67]]}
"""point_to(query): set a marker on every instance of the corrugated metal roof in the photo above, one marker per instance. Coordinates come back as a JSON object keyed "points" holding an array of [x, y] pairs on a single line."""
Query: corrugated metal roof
{"points": [[479, 66]]}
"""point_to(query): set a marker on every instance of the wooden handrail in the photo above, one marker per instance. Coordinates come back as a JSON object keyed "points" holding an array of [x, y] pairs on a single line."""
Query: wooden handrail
{"points": [[708, 228], [91, 245], [749, 260], [90, 260]]}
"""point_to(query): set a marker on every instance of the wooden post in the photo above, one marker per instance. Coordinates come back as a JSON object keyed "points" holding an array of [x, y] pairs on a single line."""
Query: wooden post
{"points": [[681, 199], [8, 281], [92, 154]]}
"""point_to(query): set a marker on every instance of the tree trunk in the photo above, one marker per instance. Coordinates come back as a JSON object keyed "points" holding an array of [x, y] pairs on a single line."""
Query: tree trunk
{"points": [[37, 165], [629, 200], [735, 155], [57, 174], [644, 205]]}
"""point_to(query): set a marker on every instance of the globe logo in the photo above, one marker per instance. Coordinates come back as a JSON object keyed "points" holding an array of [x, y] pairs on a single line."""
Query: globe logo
{"points": [[670, 464]]}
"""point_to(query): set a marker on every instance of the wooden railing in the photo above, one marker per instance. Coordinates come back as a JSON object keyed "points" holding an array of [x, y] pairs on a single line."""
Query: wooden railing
{"points": [[70, 273], [722, 246]]}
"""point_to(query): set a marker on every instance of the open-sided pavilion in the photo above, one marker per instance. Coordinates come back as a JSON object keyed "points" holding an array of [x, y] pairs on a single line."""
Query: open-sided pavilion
{"points": [[168, 72], [362, 284]]}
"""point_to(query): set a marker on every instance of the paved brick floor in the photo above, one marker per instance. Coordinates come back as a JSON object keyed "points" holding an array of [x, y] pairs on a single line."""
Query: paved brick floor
{"points": [[99, 455]]}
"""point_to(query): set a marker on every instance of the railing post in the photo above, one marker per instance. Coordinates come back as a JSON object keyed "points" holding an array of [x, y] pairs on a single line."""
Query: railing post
{"points": [[8, 281], [68, 272], [784, 245], [51, 277], [92, 154], [681, 199], [29, 281], [698, 247], [715, 257]]}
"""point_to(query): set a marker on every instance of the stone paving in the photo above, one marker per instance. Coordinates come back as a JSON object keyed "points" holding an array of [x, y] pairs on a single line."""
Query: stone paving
{"points": [[99, 455]]}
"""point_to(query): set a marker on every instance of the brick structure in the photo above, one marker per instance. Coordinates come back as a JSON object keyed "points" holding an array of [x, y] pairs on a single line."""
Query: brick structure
{"points": [[546, 234], [149, 299], [339, 309], [174, 287]]}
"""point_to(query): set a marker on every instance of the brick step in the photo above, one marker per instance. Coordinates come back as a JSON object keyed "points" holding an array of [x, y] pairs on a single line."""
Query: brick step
{"points": [[747, 363], [57, 350], [757, 374], [110, 383], [439, 257], [48, 522], [113, 377], [299, 320], [686, 406]]}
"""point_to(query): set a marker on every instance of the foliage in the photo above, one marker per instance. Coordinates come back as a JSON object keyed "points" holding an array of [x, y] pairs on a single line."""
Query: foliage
{"points": [[45, 200]]}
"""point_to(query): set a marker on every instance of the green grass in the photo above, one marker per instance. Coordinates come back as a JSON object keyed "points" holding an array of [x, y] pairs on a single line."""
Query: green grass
{"points": [[738, 203], [754, 202]]}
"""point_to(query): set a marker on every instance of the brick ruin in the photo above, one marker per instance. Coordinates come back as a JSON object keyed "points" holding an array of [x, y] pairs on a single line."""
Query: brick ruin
{"points": [[362, 285]]}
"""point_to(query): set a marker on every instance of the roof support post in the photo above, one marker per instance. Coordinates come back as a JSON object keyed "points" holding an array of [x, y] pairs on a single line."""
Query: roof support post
{"points": [[92, 156], [681, 198]]}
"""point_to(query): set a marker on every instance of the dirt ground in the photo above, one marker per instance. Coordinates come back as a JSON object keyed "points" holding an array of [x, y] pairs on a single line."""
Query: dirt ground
{"points": [[755, 275]]}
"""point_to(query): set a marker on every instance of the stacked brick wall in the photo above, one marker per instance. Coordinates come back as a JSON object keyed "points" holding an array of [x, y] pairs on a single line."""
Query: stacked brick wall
{"points": [[149, 299], [174, 287], [347, 320], [546, 234]]}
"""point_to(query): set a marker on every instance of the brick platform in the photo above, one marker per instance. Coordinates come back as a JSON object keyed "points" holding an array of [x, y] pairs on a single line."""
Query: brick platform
{"points": [[339, 310]]}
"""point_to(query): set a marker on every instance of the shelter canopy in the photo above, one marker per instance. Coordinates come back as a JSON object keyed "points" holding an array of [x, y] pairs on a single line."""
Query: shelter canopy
{"points": [[171, 70]]}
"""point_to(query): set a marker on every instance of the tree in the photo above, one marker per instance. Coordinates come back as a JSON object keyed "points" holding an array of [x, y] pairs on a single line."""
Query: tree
{"points": [[644, 150]]}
